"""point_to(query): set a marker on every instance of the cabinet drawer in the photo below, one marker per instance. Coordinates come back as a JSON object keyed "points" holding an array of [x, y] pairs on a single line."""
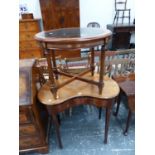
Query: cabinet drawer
{"points": [[25, 36], [27, 130], [29, 26], [25, 115], [26, 54], [23, 45], [29, 142]]}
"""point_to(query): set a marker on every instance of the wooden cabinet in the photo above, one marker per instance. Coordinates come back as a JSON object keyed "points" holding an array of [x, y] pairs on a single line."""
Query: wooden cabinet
{"points": [[28, 46], [33, 119], [61, 14], [121, 35]]}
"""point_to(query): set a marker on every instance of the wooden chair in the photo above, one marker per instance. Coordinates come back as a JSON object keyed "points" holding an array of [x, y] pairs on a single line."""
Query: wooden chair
{"points": [[42, 70], [119, 63], [127, 87], [76, 65], [120, 7]]}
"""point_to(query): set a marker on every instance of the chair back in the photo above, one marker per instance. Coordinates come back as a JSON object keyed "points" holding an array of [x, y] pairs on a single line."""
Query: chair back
{"points": [[93, 24], [76, 65], [120, 4], [41, 66], [119, 62]]}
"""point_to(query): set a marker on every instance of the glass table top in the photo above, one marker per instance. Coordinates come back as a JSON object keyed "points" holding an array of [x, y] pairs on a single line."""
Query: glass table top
{"points": [[73, 33]]}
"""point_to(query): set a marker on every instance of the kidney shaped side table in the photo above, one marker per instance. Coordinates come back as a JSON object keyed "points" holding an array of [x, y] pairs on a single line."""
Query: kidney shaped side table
{"points": [[68, 90]]}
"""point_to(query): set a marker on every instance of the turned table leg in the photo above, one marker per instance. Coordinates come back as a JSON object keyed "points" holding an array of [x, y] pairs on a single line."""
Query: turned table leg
{"points": [[54, 64], [92, 61], [101, 74]]}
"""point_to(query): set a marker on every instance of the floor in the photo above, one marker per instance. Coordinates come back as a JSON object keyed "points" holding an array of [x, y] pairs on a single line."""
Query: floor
{"points": [[82, 134]]}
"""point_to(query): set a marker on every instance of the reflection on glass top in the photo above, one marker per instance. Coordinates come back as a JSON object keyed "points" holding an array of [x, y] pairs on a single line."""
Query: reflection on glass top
{"points": [[72, 33]]}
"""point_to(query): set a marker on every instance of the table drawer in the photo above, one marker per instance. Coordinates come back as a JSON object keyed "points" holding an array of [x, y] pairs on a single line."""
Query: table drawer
{"points": [[24, 36], [25, 115], [27, 130], [26, 54], [29, 26], [28, 45]]}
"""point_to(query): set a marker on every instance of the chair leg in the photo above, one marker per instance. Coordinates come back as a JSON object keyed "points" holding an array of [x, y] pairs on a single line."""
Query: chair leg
{"points": [[56, 124], [127, 123], [114, 18], [107, 118], [59, 120], [100, 111], [118, 100]]}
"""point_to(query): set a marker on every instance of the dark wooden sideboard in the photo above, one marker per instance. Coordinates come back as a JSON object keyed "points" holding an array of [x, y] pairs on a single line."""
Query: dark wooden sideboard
{"points": [[121, 35], [33, 121]]}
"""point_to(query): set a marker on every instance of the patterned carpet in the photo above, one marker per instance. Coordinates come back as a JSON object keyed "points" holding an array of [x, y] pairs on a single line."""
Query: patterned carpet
{"points": [[82, 134]]}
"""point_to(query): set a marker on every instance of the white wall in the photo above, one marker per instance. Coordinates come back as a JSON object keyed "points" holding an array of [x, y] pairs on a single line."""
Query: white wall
{"points": [[33, 7], [101, 11]]}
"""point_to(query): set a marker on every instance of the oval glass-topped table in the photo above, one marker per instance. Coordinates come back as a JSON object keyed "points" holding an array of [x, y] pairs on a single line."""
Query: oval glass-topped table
{"points": [[86, 87], [73, 39]]}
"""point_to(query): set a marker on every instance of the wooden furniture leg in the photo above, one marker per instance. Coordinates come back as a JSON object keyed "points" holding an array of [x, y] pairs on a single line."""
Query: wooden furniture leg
{"points": [[127, 123], [118, 100], [101, 74], [54, 64], [59, 120], [107, 118], [56, 124], [92, 61], [100, 111]]}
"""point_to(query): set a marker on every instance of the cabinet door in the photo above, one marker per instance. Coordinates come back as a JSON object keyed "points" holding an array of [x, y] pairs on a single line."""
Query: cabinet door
{"points": [[60, 13]]}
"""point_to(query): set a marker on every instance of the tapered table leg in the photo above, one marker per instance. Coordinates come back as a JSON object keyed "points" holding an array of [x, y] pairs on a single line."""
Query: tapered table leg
{"points": [[127, 123], [107, 119], [118, 100], [56, 123], [100, 111]]}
